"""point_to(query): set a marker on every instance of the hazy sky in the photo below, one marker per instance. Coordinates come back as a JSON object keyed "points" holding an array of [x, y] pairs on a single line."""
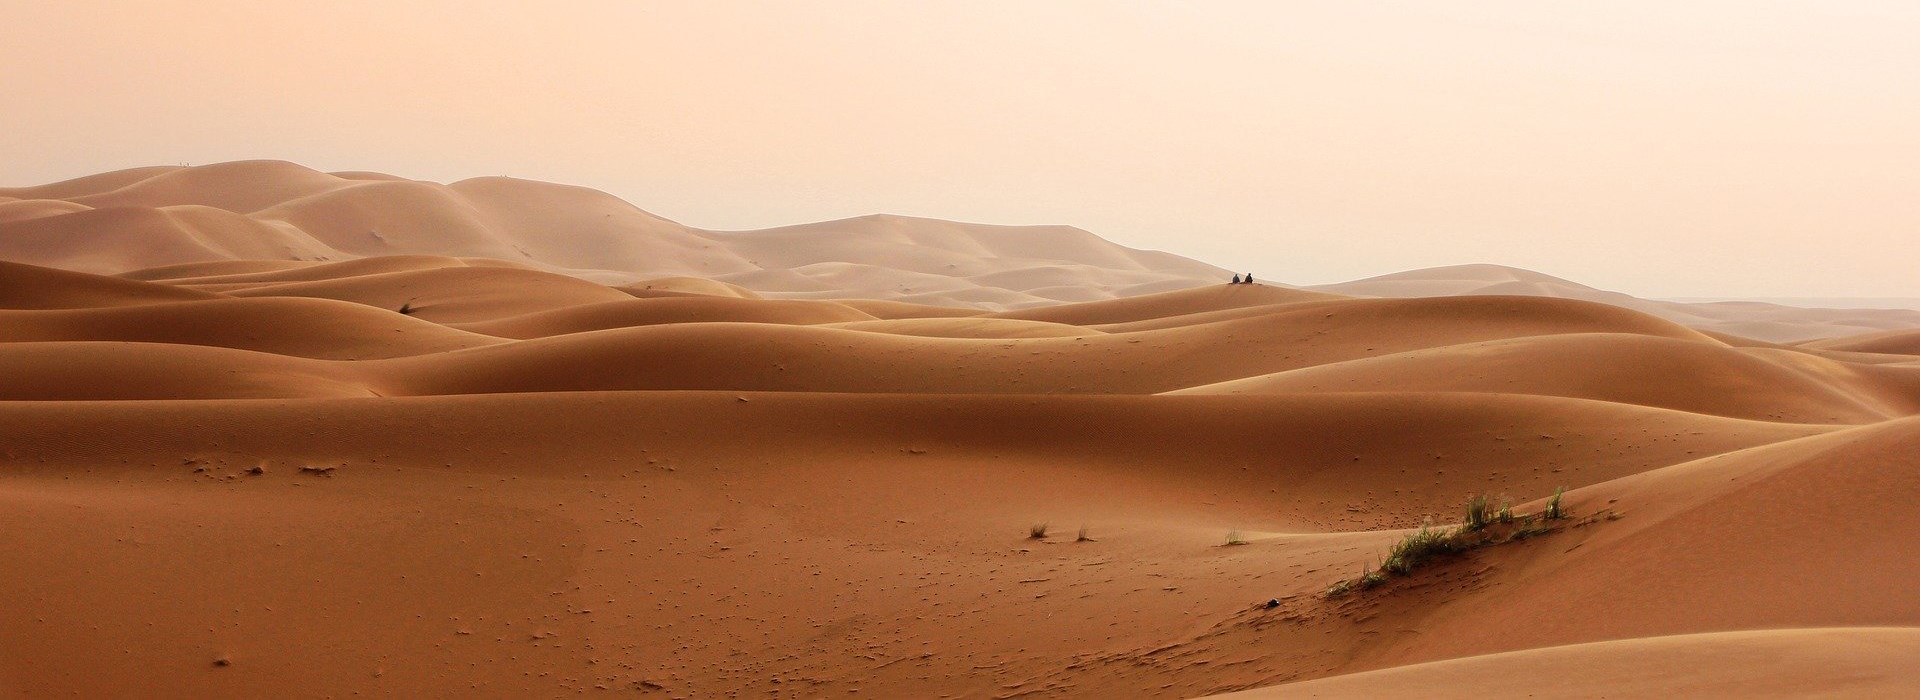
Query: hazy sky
{"points": [[1661, 148]]}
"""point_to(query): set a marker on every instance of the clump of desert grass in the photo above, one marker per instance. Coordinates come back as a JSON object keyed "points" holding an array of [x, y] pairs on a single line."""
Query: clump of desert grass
{"points": [[1476, 519], [1423, 546], [1037, 531], [1083, 536], [1477, 529], [1234, 538]]}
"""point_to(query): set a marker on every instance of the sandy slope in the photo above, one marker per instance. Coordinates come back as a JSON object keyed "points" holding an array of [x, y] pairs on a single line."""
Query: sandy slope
{"points": [[292, 326], [1897, 342], [1751, 319], [1637, 369], [30, 287], [270, 210], [535, 484], [826, 529], [1845, 662]]}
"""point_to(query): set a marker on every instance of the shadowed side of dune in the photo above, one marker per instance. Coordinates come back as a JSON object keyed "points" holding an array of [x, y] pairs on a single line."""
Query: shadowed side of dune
{"points": [[1327, 452], [98, 371], [1004, 328], [1164, 304], [1895, 342], [666, 310], [295, 327], [447, 294], [172, 274], [33, 287], [764, 357]]}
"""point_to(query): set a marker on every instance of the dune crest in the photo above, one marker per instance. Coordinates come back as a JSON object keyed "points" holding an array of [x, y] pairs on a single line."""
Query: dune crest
{"points": [[270, 210]]}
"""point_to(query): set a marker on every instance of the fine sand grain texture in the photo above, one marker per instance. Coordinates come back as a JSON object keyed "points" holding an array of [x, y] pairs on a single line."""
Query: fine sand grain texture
{"points": [[270, 432]]}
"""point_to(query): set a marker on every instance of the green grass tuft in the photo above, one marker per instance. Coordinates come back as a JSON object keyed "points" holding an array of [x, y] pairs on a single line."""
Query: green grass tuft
{"points": [[1476, 514], [1421, 546], [1428, 543], [1554, 511]]}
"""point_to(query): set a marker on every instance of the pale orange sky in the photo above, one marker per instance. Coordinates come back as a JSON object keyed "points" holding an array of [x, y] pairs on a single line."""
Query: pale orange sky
{"points": [[1659, 148]]}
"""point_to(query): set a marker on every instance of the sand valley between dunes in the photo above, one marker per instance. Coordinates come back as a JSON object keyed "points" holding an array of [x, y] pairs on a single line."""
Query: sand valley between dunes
{"points": [[248, 449]]}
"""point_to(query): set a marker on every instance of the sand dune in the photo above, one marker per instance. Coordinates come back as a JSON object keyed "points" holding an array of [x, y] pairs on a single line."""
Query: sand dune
{"points": [[241, 187], [21, 209], [90, 371], [1003, 328], [252, 211], [685, 286], [1838, 662], [89, 184], [1761, 320], [31, 287], [579, 336], [274, 432], [267, 210], [217, 268], [1899, 342], [1212, 298], [443, 294], [667, 310], [1636, 369], [895, 309], [1686, 533], [640, 497], [126, 237], [296, 327]]}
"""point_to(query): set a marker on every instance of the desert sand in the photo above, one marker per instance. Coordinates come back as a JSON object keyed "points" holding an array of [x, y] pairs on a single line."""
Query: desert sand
{"points": [[271, 217], [270, 432]]}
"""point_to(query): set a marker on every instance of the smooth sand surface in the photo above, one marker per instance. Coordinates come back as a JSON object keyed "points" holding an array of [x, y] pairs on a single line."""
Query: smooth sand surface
{"points": [[471, 470], [1847, 662], [1751, 319]]}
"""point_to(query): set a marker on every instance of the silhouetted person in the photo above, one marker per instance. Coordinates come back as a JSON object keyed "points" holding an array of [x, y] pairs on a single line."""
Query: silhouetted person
{"points": [[1236, 278], [1249, 278]]}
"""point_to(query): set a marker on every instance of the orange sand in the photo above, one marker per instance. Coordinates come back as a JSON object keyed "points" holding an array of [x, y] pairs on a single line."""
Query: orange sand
{"points": [[749, 472]]}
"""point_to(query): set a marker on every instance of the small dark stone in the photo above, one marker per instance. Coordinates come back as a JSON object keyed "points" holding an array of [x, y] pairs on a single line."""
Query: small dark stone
{"points": [[1273, 603]]}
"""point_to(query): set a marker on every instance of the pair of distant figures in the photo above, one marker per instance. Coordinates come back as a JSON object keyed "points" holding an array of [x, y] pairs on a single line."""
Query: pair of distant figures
{"points": [[1238, 280]]}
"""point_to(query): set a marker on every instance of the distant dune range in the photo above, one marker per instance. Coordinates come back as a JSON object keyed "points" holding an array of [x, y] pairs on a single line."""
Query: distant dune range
{"points": [[271, 432], [280, 216]]}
